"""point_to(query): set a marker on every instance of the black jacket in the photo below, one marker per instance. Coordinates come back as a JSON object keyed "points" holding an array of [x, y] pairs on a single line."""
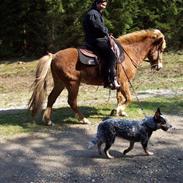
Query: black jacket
{"points": [[94, 26]]}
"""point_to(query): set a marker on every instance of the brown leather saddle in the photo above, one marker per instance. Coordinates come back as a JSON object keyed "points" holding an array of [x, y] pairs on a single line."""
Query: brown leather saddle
{"points": [[88, 57]]}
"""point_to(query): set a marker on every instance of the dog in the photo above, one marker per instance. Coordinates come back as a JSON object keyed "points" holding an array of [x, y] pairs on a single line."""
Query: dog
{"points": [[131, 130]]}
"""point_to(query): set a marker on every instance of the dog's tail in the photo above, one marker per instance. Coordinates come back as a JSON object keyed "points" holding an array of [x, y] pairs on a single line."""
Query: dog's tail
{"points": [[93, 143], [99, 139]]}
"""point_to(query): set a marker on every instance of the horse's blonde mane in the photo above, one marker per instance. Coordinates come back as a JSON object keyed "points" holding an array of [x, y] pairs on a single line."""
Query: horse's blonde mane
{"points": [[141, 35]]}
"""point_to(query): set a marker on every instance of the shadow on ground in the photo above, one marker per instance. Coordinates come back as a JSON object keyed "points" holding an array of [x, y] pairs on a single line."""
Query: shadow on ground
{"points": [[62, 156], [65, 115]]}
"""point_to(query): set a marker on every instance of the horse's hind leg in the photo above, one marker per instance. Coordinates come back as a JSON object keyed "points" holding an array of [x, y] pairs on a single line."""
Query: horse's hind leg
{"points": [[58, 87], [73, 89]]}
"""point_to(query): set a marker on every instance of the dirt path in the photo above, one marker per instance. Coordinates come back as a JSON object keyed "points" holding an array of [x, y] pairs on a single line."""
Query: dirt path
{"points": [[61, 155], [14, 101]]}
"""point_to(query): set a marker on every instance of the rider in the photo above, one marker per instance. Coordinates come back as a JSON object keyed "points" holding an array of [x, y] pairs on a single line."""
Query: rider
{"points": [[97, 35]]}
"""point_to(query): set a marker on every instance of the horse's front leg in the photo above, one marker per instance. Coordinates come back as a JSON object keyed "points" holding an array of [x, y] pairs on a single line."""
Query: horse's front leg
{"points": [[73, 89], [123, 99]]}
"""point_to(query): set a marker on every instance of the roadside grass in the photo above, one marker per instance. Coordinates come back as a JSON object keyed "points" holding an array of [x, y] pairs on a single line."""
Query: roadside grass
{"points": [[14, 122], [169, 77], [17, 68], [16, 78]]}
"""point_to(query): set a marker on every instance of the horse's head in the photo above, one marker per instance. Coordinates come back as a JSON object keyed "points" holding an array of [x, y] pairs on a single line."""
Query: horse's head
{"points": [[156, 51], [152, 48]]}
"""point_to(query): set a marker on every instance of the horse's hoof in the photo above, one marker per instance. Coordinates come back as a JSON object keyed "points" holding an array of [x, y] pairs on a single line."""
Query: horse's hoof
{"points": [[123, 114], [113, 112], [85, 121], [149, 153], [50, 123]]}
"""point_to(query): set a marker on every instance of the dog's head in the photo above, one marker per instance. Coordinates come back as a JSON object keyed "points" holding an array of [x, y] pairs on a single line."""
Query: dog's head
{"points": [[161, 121]]}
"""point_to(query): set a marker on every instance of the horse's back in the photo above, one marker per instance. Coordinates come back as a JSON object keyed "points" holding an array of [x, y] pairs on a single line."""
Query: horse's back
{"points": [[64, 63], [70, 54]]}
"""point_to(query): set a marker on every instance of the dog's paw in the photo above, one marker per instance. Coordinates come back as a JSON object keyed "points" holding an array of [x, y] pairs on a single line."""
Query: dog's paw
{"points": [[108, 155], [149, 153]]}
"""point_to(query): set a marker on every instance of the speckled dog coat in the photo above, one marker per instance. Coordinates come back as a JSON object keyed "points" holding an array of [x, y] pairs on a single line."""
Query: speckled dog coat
{"points": [[132, 130]]}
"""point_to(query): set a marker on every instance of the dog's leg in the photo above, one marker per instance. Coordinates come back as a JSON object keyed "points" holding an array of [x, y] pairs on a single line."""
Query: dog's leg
{"points": [[106, 150], [144, 145], [99, 148], [129, 148]]}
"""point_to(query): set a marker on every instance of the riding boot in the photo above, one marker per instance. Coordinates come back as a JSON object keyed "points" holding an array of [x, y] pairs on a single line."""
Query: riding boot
{"points": [[114, 83]]}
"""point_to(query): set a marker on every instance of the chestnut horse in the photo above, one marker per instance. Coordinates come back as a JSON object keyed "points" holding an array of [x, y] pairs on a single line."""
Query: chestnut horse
{"points": [[68, 72]]}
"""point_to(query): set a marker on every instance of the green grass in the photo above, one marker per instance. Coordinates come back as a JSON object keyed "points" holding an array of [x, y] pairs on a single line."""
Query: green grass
{"points": [[15, 80], [13, 122], [18, 68], [170, 76], [19, 121]]}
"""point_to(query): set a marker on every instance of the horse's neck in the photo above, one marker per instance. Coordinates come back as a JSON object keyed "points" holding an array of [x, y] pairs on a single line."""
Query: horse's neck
{"points": [[137, 51]]}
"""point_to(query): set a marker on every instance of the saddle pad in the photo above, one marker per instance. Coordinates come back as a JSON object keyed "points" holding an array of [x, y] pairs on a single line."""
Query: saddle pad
{"points": [[118, 51], [87, 58]]}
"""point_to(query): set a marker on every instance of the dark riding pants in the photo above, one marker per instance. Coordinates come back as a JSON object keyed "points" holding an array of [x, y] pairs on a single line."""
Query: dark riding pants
{"points": [[103, 48]]}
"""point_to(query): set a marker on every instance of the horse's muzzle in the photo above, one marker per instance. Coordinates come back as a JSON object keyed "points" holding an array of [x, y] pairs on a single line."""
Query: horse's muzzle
{"points": [[157, 66]]}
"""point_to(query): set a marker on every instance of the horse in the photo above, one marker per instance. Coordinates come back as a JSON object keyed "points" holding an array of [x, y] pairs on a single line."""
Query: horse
{"points": [[68, 72]]}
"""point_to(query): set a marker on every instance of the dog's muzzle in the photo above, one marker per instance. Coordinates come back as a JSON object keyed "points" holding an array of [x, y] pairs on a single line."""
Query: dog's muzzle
{"points": [[166, 127]]}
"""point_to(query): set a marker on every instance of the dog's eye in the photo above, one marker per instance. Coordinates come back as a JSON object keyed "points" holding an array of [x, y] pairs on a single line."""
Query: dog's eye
{"points": [[162, 120]]}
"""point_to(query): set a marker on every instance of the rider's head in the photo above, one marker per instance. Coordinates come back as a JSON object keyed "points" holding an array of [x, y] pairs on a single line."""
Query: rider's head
{"points": [[100, 4]]}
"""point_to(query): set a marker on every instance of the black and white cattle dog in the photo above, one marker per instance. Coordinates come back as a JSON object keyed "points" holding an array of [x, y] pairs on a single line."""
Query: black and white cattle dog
{"points": [[134, 131]]}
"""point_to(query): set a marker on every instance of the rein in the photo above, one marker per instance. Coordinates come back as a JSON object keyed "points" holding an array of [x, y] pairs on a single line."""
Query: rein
{"points": [[133, 62], [136, 66], [139, 102]]}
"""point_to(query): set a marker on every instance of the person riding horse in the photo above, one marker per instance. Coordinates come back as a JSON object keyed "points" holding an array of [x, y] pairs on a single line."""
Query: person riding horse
{"points": [[97, 36]]}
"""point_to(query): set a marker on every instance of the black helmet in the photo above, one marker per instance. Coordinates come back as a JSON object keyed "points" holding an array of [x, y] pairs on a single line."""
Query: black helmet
{"points": [[99, 1]]}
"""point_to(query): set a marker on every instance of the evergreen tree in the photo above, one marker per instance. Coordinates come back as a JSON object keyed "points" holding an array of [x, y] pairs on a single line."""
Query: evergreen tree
{"points": [[32, 27]]}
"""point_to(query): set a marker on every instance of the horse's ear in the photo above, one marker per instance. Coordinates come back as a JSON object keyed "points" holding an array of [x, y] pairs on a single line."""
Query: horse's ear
{"points": [[157, 113], [160, 42], [155, 36]]}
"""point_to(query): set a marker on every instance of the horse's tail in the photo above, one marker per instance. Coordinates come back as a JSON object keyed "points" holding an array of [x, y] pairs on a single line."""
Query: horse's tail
{"points": [[40, 84]]}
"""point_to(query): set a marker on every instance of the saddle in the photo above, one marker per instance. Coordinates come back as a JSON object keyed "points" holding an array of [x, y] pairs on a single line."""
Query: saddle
{"points": [[88, 57]]}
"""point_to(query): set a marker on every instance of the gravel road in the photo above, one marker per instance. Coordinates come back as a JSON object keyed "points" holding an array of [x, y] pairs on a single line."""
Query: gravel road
{"points": [[60, 155]]}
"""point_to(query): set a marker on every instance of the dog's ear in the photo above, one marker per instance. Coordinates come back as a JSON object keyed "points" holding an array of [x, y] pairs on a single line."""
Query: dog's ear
{"points": [[157, 113]]}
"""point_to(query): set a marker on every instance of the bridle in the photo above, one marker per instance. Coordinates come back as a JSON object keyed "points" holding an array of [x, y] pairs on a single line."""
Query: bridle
{"points": [[147, 59], [158, 58]]}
